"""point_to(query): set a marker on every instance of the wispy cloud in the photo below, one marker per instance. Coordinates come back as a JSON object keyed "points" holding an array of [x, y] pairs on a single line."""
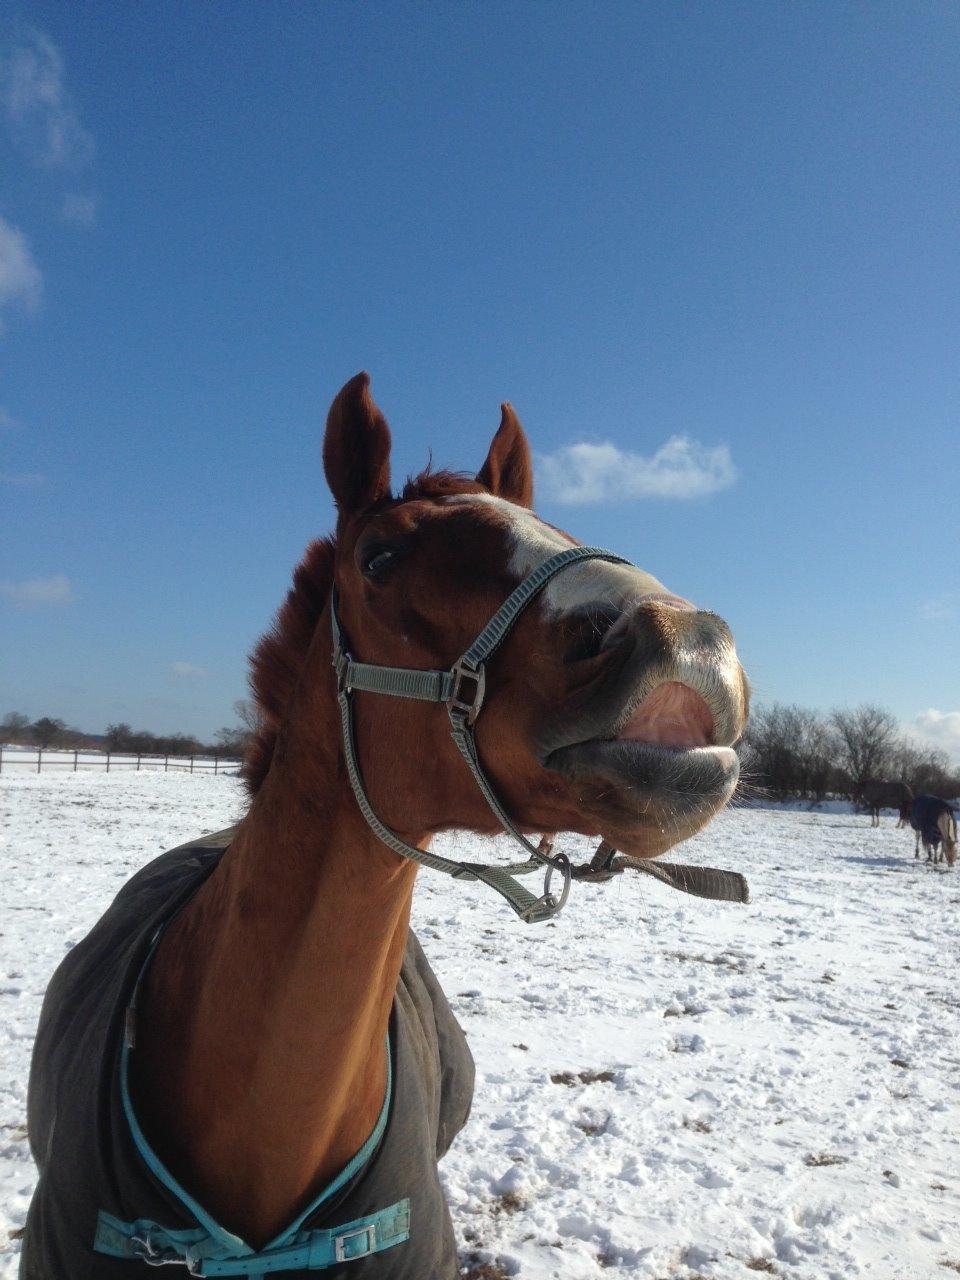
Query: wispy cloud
{"points": [[39, 591], [942, 608], [40, 112], [79, 208], [20, 280], [940, 729], [8, 422], [188, 670], [580, 474], [23, 479]]}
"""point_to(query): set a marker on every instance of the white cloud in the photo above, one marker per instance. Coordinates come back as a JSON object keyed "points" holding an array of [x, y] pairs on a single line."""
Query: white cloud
{"points": [[40, 111], [939, 729], [20, 279], [22, 479], [579, 474], [188, 670], [79, 208], [7, 422], [39, 591]]}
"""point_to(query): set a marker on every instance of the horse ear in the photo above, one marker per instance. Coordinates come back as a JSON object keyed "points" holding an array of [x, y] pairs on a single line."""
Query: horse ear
{"points": [[508, 470], [356, 448]]}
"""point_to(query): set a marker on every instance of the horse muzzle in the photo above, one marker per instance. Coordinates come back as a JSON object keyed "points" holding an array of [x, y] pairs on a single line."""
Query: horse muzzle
{"points": [[652, 746]]}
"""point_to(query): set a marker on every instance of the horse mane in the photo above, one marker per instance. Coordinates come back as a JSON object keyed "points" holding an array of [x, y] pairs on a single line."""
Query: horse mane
{"points": [[278, 658]]}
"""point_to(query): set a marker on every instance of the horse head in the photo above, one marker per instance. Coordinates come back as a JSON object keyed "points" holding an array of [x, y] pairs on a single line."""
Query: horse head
{"points": [[610, 710]]}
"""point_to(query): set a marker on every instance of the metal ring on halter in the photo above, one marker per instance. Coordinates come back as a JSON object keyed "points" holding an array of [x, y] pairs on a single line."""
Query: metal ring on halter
{"points": [[558, 862]]}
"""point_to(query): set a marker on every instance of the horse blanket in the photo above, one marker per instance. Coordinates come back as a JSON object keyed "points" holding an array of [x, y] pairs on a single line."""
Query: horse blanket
{"points": [[105, 1208], [925, 814]]}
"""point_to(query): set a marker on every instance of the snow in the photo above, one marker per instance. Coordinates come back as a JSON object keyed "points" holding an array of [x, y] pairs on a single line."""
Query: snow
{"points": [[666, 1087]]}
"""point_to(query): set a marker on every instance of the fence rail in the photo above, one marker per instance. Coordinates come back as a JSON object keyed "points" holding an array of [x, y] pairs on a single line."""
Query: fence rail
{"points": [[73, 761]]}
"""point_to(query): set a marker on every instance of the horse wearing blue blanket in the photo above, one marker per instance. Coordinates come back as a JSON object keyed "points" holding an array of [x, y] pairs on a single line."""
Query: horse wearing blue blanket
{"points": [[935, 823]]}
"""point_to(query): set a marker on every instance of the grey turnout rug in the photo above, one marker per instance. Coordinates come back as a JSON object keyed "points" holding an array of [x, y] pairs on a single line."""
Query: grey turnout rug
{"points": [[105, 1207]]}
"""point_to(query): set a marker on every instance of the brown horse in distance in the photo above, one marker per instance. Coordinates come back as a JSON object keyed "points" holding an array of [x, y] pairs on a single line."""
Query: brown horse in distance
{"points": [[876, 796], [260, 1066]]}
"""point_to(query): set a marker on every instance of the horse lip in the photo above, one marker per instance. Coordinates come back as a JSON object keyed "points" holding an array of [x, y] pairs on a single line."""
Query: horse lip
{"points": [[706, 680], [693, 781]]}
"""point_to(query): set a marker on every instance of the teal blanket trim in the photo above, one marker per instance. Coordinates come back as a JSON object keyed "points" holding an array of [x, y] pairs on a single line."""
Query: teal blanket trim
{"points": [[214, 1240], [226, 1239], [305, 1251]]}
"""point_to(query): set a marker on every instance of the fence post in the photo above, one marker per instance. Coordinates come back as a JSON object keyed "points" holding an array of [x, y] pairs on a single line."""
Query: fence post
{"points": [[138, 762], [216, 763], [1, 759], [191, 764], [75, 755], [108, 762], [39, 757]]}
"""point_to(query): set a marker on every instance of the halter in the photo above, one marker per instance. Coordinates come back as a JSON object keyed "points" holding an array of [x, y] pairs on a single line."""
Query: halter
{"points": [[462, 690]]}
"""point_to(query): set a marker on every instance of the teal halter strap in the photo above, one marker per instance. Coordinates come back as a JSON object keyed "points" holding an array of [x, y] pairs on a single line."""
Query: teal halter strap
{"points": [[462, 689]]}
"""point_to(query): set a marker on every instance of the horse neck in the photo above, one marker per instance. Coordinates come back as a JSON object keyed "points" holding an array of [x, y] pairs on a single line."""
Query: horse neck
{"points": [[262, 1057]]}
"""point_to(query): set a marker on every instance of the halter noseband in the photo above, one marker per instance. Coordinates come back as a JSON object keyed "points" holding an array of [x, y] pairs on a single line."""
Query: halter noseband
{"points": [[462, 690]]}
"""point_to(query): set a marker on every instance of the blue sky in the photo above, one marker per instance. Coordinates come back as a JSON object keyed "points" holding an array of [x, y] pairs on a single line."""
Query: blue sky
{"points": [[710, 252]]}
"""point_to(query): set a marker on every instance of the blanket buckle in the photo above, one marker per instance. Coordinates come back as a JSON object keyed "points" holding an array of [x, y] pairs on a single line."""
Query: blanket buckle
{"points": [[368, 1233]]}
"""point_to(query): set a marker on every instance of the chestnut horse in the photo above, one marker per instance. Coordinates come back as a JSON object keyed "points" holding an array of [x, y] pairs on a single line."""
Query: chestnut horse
{"points": [[610, 709]]}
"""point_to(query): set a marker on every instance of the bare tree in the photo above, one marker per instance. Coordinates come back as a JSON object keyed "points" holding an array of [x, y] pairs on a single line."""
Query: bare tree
{"points": [[248, 714], [232, 741], [12, 726], [47, 732], [925, 769], [118, 736], [867, 738], [791, 751], [814, 746]]}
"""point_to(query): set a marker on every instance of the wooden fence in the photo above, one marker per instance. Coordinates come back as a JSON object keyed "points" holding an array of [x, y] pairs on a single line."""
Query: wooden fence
{"points": [[73, 761]]}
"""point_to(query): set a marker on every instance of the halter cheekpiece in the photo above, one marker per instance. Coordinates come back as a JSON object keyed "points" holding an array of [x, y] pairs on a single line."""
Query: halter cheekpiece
{"points": [[462, 690]]}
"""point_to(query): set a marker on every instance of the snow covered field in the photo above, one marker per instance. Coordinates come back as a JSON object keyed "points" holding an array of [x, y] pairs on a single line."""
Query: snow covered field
{"points": [[666, 1087]]}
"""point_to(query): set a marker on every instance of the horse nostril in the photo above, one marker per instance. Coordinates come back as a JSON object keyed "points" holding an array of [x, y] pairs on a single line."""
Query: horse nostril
{"points": [[656, 614], [589, 629]]}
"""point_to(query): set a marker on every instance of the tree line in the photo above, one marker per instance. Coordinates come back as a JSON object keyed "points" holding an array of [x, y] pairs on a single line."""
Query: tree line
{"points": [[50, 733], [788, 752], [791, 752]]}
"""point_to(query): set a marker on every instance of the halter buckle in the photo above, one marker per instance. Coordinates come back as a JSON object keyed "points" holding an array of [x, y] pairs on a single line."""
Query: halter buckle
{"points": [[341, 665], [456, 701]]}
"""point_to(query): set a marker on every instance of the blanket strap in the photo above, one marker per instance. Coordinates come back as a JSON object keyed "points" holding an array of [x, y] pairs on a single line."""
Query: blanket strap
{"points": [[307, 1251]]}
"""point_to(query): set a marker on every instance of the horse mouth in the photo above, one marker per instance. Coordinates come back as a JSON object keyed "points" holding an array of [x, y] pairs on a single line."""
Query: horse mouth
{"points": [[665, 765], [673, 716]]}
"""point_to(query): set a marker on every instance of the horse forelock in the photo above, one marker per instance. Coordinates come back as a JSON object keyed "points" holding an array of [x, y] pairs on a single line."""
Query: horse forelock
{"points": [[439, 484]]}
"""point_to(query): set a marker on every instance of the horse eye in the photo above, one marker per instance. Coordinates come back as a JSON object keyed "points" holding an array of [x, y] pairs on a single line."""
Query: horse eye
{"points": [[378, 560]]}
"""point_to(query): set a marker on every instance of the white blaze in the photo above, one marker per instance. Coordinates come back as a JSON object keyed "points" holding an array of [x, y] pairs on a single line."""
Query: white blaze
{"points": [[579, 586]]}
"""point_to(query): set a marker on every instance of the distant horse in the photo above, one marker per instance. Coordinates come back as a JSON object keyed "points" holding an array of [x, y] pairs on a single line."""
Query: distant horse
{"points": [[248, 1067], [876, 795], [934, 822]]}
